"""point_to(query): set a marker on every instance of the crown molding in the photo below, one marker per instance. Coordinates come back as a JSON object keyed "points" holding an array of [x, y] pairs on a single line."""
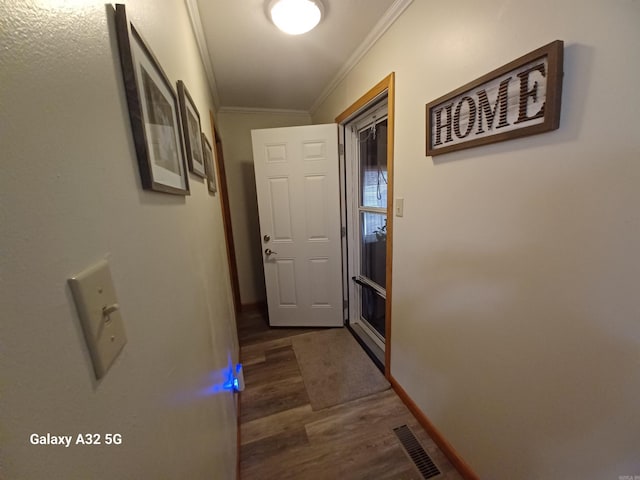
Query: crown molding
{"points": [[196, 24], [272, 111], [388, 19]]}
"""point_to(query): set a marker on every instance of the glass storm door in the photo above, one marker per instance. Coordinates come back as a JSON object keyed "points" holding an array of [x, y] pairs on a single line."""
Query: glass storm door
{"points": [[366, 178]]}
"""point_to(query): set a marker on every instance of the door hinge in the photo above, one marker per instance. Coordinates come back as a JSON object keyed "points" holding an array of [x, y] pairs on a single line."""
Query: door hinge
{"points": [[345, 304], [343, 231], [341, 149]]}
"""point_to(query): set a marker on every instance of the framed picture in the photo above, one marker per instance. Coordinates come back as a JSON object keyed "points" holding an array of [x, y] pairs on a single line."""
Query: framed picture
{"points": [[153, 111], [518, 99], [191, 131], [209, 164]]}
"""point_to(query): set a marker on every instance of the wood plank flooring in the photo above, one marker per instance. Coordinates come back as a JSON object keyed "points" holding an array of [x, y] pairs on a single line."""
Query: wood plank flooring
{"points": [[283, 438]]}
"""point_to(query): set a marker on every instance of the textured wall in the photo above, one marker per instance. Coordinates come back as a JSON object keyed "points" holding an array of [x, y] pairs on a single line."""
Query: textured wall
{"points": [[69, 195], [235, 129], [516, 321]]}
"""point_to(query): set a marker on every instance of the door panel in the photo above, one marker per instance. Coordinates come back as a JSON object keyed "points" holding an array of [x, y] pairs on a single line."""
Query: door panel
{"points": [[299, 208], [280, 201], [276, 153], [320, 270], [314, 150], [286, 278], [316, 215]]}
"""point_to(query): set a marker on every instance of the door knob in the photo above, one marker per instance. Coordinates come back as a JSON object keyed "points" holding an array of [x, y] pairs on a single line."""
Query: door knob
{"points": [[268, 251], [267, 238]]}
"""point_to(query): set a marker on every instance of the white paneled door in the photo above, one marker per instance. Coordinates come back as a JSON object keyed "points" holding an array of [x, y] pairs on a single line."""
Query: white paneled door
{"points": [[297, 183]]}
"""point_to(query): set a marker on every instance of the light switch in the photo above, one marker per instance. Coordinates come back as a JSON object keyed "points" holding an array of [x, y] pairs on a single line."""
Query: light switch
{"points": [[399, 207], [99, 312]]}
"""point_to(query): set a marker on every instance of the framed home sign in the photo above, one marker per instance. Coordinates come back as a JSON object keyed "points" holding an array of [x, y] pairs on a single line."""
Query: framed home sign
{"points": [[191, 131], [153, 111], [209, 161], [519, 99]]}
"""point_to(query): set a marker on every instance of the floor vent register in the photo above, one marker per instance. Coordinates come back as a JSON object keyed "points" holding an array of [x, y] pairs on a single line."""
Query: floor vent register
{"points": [[418, 455]]}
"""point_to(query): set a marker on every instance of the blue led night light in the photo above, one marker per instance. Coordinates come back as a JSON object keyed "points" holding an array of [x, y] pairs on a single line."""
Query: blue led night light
{"points": [[233, 382]]}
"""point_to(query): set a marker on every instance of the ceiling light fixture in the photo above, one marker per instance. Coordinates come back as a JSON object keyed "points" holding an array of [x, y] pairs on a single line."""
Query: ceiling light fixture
{"points": [[296, 16]]}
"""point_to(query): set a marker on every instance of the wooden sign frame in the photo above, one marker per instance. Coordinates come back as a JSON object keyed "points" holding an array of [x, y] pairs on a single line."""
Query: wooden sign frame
{"points": [[519, 99]]}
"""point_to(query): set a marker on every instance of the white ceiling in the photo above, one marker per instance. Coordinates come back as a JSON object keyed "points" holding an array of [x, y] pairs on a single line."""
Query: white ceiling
{"points": [[251, 64]]}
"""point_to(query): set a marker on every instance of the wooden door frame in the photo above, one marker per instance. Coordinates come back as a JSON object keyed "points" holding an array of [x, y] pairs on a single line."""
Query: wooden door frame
{"points": [[386, 85], [226, 215]]}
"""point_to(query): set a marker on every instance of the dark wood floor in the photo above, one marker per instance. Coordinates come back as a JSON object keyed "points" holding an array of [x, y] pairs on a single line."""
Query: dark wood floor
{"points": [[283, 438]]}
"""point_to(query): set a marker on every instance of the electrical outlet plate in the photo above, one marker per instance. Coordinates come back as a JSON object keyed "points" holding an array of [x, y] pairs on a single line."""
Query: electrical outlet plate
{"points": [[99, 312]]}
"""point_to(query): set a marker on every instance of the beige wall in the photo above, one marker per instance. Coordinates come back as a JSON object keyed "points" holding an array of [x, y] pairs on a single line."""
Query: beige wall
{"points": [[235, 129], [516, 322], [69, 195]]}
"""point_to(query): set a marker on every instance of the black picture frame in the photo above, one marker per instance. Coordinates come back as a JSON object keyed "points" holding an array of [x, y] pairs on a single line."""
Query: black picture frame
{"points": [[153, 111], [191, 131], [209, 163]]}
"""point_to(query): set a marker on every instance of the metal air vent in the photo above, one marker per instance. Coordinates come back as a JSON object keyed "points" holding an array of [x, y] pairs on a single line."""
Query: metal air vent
{"points": [[418, 455]]}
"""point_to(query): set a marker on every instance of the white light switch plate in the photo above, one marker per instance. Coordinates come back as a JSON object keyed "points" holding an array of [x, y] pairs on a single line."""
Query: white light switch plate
{"points": [[399, 207], [99, 313]]}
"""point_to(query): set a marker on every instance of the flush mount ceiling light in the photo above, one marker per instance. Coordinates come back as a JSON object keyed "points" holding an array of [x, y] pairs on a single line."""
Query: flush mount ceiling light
{"points": [[295, 16]]}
